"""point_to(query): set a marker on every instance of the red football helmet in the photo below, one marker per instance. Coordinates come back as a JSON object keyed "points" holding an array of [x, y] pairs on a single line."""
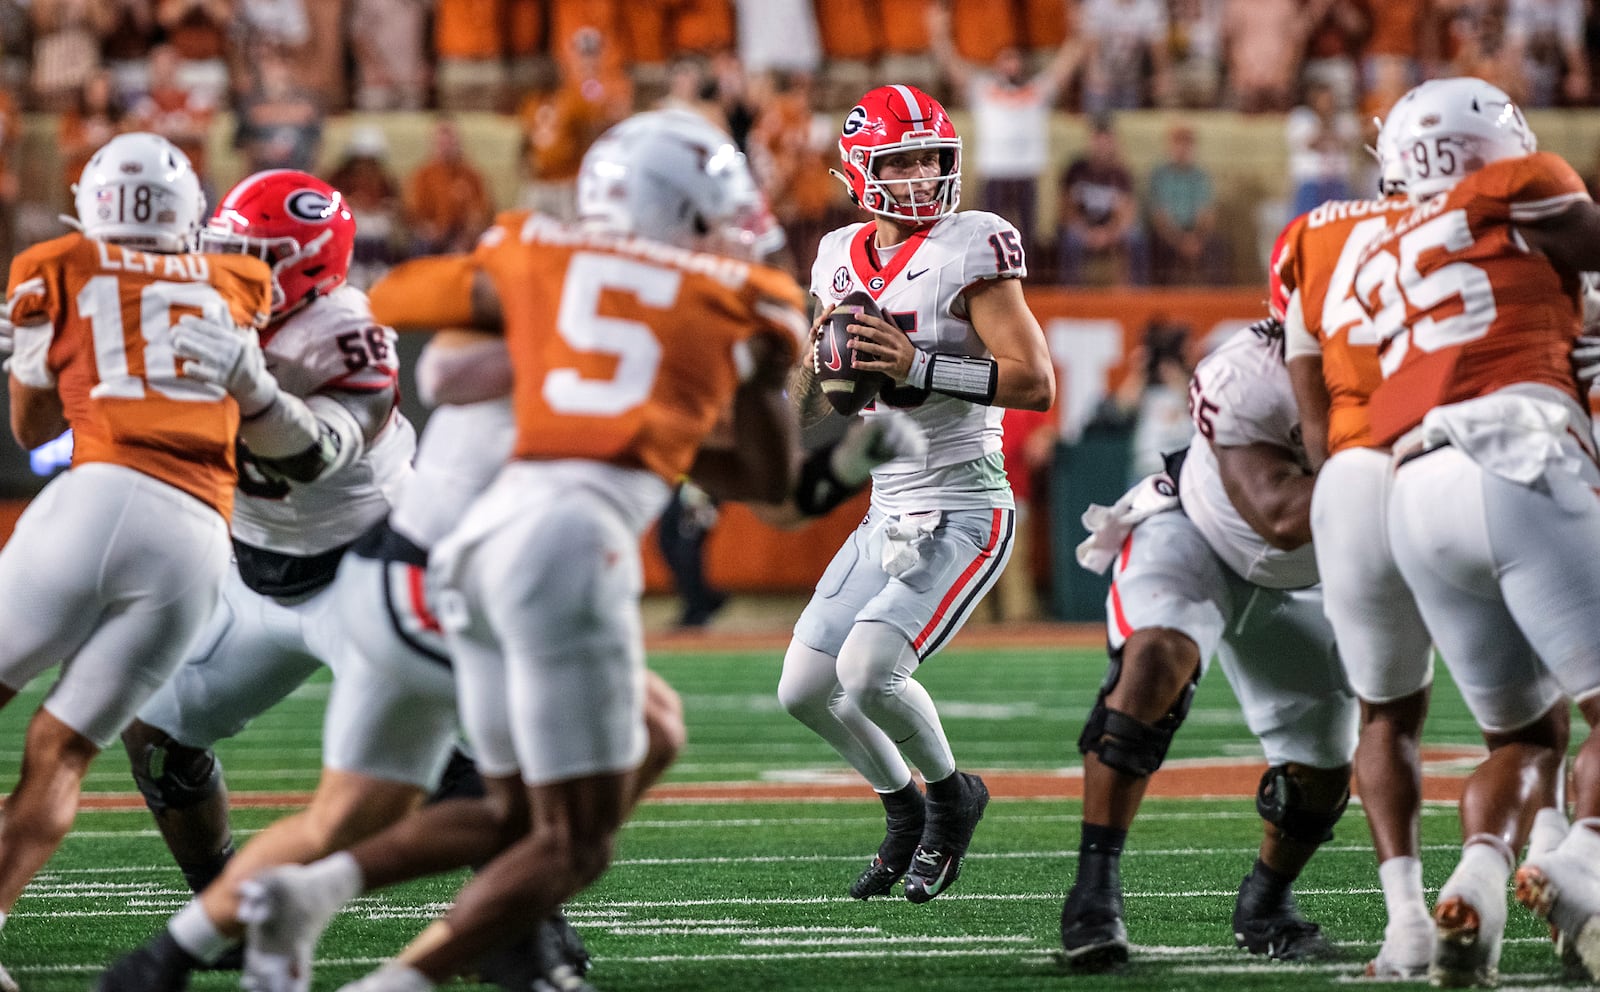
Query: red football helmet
{"points": [[293, 221], [1277, 295], [894, 119]]}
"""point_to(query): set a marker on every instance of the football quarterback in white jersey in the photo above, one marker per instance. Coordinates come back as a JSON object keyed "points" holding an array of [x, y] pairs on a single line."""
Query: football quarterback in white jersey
{"points": [[960, 344], [342, 454], [1228, 570]]}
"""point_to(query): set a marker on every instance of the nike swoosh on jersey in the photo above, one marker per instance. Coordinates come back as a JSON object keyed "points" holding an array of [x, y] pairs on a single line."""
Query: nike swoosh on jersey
{"points": [[912, 275]]}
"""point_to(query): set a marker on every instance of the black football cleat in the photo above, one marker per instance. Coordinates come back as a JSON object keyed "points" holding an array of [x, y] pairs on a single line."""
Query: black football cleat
{"points": [[1274, 927], [889, 865], [1093, 937], [937, 862], [159, 965], [553, 959]]}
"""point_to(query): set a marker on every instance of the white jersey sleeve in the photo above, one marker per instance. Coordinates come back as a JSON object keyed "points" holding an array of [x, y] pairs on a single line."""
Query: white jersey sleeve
{"points": [[332, 345], [1241, 395]]}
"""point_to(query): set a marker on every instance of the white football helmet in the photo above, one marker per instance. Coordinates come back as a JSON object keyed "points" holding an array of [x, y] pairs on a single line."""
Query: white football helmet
{"points": [[140, 190], [1446, 129], [671, 175], [1391, 164]]}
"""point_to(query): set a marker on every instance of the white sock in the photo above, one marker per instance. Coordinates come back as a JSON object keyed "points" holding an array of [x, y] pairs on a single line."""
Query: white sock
{"points": [[193, 931], [1486, 857], [1583, 842], [1401, 878], [339, 876], [404, 978], [3, 918]]}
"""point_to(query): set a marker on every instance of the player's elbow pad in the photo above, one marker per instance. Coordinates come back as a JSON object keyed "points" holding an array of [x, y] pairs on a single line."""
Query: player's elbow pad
{"points": [[303, 440]]}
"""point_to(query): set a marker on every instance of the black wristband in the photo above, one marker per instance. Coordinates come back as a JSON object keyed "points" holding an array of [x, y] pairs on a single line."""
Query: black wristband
{"points": [[818, 489], [970, 379]]}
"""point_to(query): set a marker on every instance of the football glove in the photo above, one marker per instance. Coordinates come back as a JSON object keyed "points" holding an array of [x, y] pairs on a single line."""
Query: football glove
{"points": [[225, 355], [872, 441]]}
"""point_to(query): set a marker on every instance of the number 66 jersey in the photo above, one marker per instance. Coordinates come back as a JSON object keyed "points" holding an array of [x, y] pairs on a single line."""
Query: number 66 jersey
{"points": [[113, 309]]}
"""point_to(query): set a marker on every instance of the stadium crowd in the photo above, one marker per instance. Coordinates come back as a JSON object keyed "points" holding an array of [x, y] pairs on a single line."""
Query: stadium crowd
{"points": [[774, 72]]}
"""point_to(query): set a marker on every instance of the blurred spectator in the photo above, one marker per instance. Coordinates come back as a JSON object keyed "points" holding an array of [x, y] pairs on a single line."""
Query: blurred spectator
{"points": [[704, 26], [792, 165], [1389, 54], [1027, 446], [181, 116], [1011, 121], [730, 89], [93, 120], [387, 41], [779, 34], [10, 135], [1466, 38], [1182, 209], [852, 35], [1194, 52], [529, 64], [16, 45], [1544, 38], [1125, 45], [282, 24], [131, 32], [687, 82], [558, 128], [319, 62], [1335, 31], [467, 38], [1099, 218], [902, 28], [198, 29], [66, 49], [1153, 398], [447, 201], [279, 124], [1321, 140], [681, 534], [374, 198], [1263, 40]]}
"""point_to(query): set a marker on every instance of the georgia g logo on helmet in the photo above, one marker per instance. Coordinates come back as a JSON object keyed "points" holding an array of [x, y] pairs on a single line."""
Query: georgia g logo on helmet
{"points": [[309, 206], [856, 120]]}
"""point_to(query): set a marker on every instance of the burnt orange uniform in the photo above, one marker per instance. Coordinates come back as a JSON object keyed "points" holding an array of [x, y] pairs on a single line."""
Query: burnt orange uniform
{"points": [[623, 350], [1460, 307], [1319, 264], [113, 309]]}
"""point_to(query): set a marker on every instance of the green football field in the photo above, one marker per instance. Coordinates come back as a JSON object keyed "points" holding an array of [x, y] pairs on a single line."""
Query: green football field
{"points": [[750, 895]]}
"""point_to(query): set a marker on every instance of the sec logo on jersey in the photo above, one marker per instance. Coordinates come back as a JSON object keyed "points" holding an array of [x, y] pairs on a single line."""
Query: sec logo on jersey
{"points": [[842, 283]]}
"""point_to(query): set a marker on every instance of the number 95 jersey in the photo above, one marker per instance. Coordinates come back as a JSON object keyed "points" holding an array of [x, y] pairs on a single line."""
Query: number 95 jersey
{"points": [[1460, 304], [920, 285]]}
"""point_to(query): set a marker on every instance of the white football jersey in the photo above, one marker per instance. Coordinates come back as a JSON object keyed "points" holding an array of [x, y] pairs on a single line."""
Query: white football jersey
{"points": [[461, 450], [1241, 395], [920, 286], [331, 345]]}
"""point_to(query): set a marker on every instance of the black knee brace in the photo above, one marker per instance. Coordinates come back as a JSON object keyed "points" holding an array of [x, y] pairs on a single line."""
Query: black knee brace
{"points": [[1129, 745], [170, 775], [1281, 801]]}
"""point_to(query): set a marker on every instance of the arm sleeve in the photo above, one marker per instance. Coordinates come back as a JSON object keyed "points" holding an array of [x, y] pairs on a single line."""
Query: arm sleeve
{"points": [[426, 293], [1533, 188]]}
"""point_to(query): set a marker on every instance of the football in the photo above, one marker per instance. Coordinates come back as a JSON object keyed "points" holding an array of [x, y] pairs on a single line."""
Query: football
{"points": [[847, 388]]}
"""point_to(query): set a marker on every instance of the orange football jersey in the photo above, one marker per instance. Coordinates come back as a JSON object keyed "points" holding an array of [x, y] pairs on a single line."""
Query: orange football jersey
{"points": [[1320, 263], [112, 310], [623, 350], [1461, 306]]}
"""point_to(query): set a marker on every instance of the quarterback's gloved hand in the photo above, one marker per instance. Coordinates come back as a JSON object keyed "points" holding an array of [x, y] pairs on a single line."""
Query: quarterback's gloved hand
{"points": [[1586, 357], [872, 441], [225, 355]]}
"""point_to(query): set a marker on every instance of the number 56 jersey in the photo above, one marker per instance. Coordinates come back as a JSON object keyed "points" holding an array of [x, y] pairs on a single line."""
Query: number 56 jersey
{"points": [[112, 310]]}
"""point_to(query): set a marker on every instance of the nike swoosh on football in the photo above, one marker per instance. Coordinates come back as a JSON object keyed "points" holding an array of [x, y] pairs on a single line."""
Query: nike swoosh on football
{"points": [[912, 275]]}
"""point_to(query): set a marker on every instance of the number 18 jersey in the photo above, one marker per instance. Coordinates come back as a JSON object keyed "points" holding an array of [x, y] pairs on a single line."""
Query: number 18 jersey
{"points": [[112, 310]]}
